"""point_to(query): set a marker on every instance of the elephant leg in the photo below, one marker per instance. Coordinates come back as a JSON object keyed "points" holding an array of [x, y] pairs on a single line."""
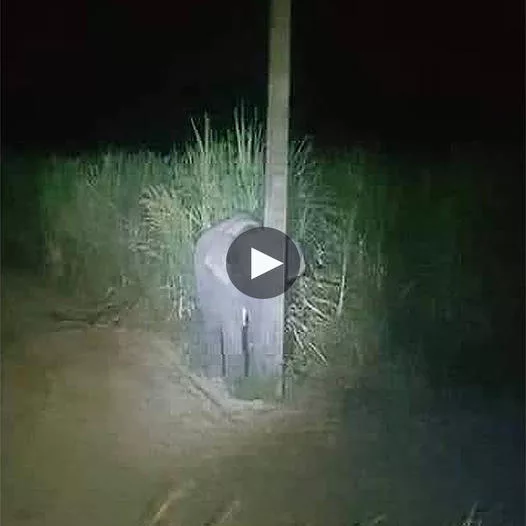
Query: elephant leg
{"points": [[213, 356], [251, 338], [233, 346], [246, 348], [235, 363], [196, 340]]}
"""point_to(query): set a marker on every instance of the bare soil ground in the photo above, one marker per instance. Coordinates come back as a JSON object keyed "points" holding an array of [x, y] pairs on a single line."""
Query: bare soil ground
{"points": [[104, 425]]}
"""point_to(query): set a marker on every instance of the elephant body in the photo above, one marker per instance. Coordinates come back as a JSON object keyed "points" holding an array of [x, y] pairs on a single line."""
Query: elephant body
{"points": [[227, 316], [231, 324]]}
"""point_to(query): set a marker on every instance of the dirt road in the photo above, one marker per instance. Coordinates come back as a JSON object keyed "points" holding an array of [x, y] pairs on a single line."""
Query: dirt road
{"points": [[101, 427]]}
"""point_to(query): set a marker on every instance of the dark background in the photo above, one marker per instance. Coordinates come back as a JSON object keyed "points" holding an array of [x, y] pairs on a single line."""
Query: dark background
{"points": [[129, 72], [414, 75]]}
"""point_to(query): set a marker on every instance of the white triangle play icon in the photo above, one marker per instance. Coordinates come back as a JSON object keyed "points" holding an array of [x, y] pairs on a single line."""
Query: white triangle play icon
{"points": [[260, 263]]}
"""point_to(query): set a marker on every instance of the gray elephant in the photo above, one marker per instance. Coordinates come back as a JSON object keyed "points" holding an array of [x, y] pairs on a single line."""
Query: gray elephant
{"points": [[225, 312], [230, 321]]}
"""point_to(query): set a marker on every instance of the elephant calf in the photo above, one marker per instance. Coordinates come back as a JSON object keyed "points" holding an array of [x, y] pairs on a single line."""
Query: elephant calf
{"points": [[226, 314], [230, 321]]}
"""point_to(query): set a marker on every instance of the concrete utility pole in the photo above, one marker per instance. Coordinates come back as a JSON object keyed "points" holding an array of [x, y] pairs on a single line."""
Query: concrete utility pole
{"points": [[276, 170]]}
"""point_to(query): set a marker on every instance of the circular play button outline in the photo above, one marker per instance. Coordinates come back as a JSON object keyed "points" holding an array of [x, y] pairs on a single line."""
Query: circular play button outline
{"points": [[255, 265]]}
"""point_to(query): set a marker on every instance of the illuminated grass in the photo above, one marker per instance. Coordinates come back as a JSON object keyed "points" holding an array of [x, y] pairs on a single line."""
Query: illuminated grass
{"points": [[389, 262], [120, 220]]}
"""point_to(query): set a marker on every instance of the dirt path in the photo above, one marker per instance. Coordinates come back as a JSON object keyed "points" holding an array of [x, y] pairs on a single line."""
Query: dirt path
{"points": [[384, 465], [97, 421], [101, 426]]}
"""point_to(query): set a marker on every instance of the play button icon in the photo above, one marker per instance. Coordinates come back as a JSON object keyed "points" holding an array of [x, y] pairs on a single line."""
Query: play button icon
{"points": [[256, 264], [261, 263]]}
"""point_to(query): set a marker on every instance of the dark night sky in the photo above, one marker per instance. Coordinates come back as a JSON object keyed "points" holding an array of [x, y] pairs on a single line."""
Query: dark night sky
{"points": [[75, 72]]}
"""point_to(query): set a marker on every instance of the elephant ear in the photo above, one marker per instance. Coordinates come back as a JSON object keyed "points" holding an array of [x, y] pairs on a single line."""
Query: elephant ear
{"points": [[216, 263], [238, 224], [220, 237]]}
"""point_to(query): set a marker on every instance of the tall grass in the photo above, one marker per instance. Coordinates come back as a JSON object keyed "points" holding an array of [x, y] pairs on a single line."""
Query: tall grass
{"points": [[368, 208], [123, 221], [388, 244], [439, 311], [416, 277], [92, 221]]}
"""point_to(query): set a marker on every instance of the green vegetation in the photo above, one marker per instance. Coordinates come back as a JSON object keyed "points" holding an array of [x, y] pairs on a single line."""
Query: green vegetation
{"points": [[391, 253]]}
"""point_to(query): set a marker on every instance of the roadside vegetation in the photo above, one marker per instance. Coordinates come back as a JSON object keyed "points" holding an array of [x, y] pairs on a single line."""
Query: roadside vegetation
{"points": [[390, 246]]}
